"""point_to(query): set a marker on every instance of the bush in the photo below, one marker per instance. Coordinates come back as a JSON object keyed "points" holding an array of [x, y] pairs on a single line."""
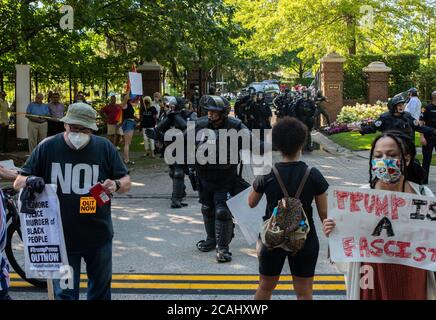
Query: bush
{"points": [[403, 66], [361, 112]]}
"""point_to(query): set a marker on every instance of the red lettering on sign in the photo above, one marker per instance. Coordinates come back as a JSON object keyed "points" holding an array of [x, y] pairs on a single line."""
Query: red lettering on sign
{"points": [[363, 246], [397, 202], [381, 207], [348, 244], [433, 256], [403, 253], [422, 255], [355, 198], [369, 207], [341, 196], [378, 250], [387, 250]]}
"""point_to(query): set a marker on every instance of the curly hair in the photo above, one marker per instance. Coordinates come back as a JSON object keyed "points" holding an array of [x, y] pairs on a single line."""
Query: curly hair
{"points": [[289, 135]]}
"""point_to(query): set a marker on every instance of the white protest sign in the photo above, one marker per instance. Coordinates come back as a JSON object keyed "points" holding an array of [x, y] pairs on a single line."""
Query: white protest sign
{"points": [[248, 219], [43, 237], [9, 164], [135, 83], [382, 227]]}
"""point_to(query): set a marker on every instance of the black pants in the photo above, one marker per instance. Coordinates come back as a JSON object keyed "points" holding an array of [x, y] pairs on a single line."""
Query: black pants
{"points": [[4, 138], [427, 153], [217, 216]]}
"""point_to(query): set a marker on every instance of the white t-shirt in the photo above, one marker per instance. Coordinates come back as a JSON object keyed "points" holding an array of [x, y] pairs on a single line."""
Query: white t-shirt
{"points": [[157, 106], [414, 107]]}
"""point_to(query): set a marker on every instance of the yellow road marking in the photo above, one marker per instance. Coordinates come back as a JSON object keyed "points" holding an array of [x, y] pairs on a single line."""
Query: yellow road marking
{"points": [[183, 277], [198, 286]]}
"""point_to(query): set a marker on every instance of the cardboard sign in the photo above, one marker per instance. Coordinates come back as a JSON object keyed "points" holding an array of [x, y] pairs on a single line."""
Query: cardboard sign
{"points": [[249, 219], [135, 83], [43, 237], [382, 227]]}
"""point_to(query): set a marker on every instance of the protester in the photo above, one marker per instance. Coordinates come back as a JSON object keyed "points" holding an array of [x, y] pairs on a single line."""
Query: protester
{"points": [[128, 126], [57, 110], [428, 142], [4, 122], [157, 102], [5, 174], [148, 120], [392, 168], [288, 137], [37, 113], [112, 113], [80, 97], [414, 105], [88, 235]]}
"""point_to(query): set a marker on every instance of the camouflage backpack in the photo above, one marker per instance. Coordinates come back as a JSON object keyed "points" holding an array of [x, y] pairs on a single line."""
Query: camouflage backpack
{"points": [[288, 226]]}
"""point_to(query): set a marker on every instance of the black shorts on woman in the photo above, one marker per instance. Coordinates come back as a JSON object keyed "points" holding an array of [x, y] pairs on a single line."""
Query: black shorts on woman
{"points": [[271, 261]]}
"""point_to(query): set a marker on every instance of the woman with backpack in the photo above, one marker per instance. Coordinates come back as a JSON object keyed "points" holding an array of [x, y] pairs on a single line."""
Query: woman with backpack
{"points": [[289, 137], [392, 168]]}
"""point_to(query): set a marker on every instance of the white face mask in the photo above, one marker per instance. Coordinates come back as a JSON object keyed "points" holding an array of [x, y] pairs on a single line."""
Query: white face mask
{"points": [[78, 139]]}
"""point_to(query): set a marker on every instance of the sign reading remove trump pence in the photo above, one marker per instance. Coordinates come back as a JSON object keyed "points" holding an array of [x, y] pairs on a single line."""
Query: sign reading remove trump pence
{"points": [[382, 227]]}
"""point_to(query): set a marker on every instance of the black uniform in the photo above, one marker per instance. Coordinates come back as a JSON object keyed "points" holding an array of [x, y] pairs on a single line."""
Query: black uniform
{"points": [[305, 111], [177, 120], [403, 122], [429, 118], [248, 113], [283, 104], [262, 115], [217, 184]]}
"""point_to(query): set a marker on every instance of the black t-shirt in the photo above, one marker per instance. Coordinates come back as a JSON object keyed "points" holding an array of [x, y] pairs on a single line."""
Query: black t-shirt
{"points": [[75, 172], [291, 173], [129, 112], [149, 116], [429, 115]]}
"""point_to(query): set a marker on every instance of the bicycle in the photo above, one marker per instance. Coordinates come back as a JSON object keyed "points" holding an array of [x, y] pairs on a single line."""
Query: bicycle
{"points": [[14, 241]]}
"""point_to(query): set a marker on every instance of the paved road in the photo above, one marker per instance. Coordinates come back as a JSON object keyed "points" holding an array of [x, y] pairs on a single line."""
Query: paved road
{"points": [[154, 246]]}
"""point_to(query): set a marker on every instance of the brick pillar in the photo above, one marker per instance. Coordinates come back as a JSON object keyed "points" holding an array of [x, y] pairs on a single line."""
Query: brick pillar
{"points": [[151, 77], [377, 81], [332, 83], [196, 77]]}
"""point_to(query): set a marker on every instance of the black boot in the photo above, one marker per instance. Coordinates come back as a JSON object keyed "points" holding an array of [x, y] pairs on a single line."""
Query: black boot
{"points": [[224, 234], [209, 224]]}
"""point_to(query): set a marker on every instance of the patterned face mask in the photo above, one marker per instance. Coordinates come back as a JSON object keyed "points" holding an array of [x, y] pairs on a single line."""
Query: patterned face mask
{"points": [[387, 170]]}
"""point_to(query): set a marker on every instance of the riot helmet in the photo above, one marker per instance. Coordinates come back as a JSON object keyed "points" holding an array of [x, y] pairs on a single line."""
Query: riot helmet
{"points": [[413, 92], [218, 104], [394, 102]]}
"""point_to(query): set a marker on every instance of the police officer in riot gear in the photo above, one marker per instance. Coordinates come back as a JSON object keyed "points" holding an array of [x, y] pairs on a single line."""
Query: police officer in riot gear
{"points": [[283, 104], [217, 180], [305, 111], [428, 142], [177, 118], [395, 119], [262, 114]]}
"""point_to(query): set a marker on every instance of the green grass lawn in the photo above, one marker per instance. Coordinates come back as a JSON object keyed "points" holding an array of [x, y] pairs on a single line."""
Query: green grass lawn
{"points": [[354, 141]]}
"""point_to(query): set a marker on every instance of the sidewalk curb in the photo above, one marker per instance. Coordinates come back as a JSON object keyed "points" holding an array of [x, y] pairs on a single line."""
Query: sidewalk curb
{"points": [[330, 146]]}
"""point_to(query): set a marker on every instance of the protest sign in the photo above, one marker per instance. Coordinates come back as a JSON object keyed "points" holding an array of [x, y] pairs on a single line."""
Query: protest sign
{"points": [[382, 227], [135, 79], [249, 219], [43, 237]]}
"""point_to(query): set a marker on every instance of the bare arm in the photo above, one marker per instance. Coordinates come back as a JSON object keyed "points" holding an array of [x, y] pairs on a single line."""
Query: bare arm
{"points": [[8, 174], [20, 182], [254, 198], [321, 205]]}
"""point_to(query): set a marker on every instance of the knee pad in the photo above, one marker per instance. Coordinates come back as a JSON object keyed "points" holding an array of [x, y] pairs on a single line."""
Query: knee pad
{"points": [[207, 211], [223, 214], [179, 173]]}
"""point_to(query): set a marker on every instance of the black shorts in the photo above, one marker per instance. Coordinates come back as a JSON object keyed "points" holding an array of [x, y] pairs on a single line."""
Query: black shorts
{"points": [[302, 265]]}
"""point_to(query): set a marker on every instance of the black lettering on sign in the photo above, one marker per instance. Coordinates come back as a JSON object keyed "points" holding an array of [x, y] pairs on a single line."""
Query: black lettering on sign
{"points": [[384, 223], [417, 215]]}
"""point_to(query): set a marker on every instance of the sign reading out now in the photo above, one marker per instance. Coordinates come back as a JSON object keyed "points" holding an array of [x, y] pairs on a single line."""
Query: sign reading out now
{"points": [[382, 227]]}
